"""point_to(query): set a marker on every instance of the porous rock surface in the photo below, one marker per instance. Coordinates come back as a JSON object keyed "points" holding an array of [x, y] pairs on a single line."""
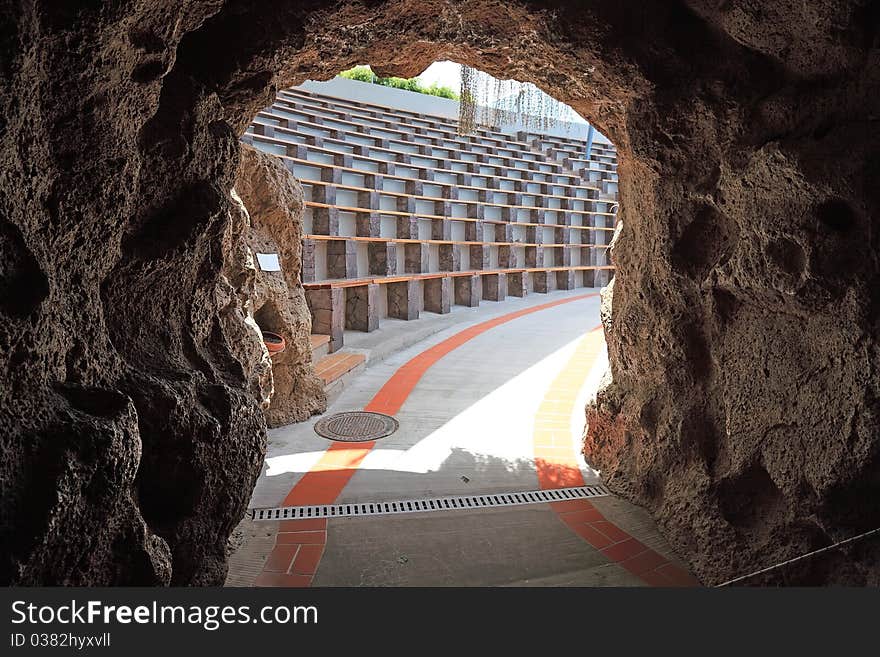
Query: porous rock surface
{"points": [[236, 293], [742, 409], [274, 200]]}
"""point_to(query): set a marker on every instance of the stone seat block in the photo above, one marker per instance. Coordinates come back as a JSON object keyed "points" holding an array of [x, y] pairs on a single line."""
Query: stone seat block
{"points": [[403, 299], [438, 294]]}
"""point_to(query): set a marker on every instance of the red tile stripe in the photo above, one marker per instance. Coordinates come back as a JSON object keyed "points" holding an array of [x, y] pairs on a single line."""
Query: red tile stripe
{"points": [[323, 483], [293, 561], [392, 395], [557, 467]]}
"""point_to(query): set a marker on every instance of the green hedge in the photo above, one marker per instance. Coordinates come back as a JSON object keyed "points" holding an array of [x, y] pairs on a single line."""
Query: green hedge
{"points": [[365, 74]]}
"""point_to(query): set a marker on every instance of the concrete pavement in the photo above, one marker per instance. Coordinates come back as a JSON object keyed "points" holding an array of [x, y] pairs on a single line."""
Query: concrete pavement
{"points": [[499, 410]]}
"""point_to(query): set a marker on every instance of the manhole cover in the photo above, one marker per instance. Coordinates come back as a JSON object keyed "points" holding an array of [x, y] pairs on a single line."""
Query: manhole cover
{"points": [[356, 426]]}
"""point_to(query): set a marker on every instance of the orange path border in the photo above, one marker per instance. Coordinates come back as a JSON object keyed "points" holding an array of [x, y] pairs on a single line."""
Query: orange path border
{"points": [[325, 481], [300, 543], [557, 467]]}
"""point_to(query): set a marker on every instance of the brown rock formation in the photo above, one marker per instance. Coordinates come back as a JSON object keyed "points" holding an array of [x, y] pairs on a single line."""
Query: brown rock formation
{"points": [[274, 201], [743, 334], [236, 293]]}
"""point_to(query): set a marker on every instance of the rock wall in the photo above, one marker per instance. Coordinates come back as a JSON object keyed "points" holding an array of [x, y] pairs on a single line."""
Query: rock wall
{"points": [[236, 294], [742, 407], [742, 335], [274, 200], [130, 435]]}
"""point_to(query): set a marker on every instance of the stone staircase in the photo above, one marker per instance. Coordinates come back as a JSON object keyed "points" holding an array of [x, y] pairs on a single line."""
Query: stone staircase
{"points": [[335, 369]]}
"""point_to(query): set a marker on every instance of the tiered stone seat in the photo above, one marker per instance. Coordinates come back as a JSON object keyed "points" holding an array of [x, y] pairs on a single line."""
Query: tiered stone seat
{"points": [[404, 215]]}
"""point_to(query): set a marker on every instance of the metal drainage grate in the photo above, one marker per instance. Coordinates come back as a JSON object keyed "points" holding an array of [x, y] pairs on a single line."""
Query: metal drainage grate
{"points": [[452, 503], [356, 426]]}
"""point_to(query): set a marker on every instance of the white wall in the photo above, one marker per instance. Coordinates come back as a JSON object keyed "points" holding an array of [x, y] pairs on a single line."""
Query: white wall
{"points": [[366, 92]]}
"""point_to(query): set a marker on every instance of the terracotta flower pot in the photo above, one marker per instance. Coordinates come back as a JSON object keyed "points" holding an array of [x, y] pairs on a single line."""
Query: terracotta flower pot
{"points": [[274, 342]]}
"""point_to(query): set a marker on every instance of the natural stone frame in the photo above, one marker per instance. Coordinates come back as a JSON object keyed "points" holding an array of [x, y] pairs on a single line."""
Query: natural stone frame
{"points": [[743, 317]]}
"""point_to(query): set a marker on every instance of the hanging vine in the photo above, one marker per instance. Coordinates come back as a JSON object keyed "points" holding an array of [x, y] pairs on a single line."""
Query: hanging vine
{"points": [[488, 101], [467, 107]]}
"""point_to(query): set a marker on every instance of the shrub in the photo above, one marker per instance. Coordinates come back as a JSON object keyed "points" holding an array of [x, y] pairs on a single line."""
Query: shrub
{"points": [[362, 73], [365, 74]]}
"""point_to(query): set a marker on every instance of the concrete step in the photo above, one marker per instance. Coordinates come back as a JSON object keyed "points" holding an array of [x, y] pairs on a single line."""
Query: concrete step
{"points": [[338, 369], [320, 346]]}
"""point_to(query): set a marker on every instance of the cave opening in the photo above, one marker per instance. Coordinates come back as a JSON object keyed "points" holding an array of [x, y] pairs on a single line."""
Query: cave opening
{"points": [[425, 202], [405, 182], [117, 198]]}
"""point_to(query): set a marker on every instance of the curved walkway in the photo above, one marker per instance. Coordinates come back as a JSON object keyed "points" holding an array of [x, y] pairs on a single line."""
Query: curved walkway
{"points": [[496, 406]]}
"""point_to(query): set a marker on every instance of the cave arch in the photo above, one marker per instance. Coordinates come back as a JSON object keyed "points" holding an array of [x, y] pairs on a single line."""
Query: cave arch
{"points": [[119, 150]]}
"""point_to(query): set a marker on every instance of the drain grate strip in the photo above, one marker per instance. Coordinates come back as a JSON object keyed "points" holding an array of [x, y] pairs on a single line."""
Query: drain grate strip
{"points": [[450, 503]]}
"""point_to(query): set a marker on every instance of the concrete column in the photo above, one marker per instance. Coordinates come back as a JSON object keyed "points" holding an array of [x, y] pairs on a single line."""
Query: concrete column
{"points": [[540, 282], [563, 256], [368, 199], [415, 258], [406, 204], [473, 231], [516, 284], [438, 294], [299, 151], [327, 306], [468, 290], [479, 255], [495, 287], [325, 221], [589, 278], [565, 280], [308, 260], [407, 228], [534, 256], [602, 277], [374, 181], [341, 259], [324, 194], [441, 230], [362, 308], [534, 234], [367, 225], [403, 299], [328, 174], [261, 129], [507, 257], [383, 258], [450, 257]]}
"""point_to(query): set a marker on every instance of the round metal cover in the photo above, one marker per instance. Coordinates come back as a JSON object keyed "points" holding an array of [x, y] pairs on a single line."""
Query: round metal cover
{"points": [[356, 426]]}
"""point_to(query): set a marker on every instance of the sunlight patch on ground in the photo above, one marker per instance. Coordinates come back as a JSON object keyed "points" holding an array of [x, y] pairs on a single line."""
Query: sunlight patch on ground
{"points": [[495, 431]]}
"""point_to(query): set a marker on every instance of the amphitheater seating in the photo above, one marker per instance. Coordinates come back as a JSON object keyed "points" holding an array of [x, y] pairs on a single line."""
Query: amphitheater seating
{"points": [[404, 215]]}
